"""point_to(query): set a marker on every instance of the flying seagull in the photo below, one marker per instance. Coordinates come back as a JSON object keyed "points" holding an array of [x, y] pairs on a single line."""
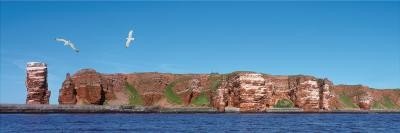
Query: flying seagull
{"points": [[68, 43], [129, 39]]}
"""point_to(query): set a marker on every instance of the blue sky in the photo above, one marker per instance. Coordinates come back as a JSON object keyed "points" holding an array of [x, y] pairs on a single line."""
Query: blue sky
{"points": [[347, 42]]}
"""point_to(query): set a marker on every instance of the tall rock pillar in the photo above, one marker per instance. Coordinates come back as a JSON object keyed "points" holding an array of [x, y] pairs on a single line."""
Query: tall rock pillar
{"points": [[36, 83]]}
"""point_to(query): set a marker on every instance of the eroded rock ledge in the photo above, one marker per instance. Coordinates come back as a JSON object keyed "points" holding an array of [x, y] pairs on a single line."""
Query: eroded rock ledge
{"points": [[242, 91]]}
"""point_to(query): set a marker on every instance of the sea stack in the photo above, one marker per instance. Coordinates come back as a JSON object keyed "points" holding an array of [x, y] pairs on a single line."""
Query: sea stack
{"points": [[36, 83]]}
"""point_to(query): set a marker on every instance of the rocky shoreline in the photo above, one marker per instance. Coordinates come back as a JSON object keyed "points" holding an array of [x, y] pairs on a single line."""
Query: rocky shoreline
{"points": [[25, 108]]}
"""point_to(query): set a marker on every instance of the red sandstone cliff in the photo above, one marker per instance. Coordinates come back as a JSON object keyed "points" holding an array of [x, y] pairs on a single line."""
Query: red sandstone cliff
{"points": [[244, 91], [36, 83], [90, 87], [358, 96], [253, 92]]}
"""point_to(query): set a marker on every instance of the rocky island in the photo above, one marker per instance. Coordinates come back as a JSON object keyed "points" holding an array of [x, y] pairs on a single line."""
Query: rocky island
{"points": [[242, 91], [237, 91]]}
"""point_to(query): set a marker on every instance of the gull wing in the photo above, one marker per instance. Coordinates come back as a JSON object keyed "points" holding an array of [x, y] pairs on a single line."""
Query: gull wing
{"points": [[73, 47], [61, 40], [128, 41], [130, 34]]}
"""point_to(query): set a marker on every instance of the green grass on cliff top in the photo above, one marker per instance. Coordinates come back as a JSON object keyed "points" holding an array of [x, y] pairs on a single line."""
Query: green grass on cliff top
{"points": [[172, 97], [201, 100], [134, 98], [284, 103]]}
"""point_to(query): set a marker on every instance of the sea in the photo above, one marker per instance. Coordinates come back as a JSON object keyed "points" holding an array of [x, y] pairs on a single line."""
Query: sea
{"points": [[223, 122]]}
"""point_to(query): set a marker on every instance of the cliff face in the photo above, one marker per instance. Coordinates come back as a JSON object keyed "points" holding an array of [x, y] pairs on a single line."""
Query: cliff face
{"points": [[358, 96], [89, 87], [36, 83], [252, 92], [244, 91], [67, 92]]}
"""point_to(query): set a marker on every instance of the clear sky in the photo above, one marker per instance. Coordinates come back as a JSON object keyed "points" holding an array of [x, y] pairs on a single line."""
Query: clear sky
{"points": [[347, 42]]}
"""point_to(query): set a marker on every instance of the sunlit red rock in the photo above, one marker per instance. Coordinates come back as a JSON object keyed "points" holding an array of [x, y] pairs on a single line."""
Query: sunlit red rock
{"points": [[238, 91], [36, 83], [67, 94], [362, 96]]}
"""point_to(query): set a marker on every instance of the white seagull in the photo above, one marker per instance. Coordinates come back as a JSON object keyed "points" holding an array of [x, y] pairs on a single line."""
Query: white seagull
{"points": [[129, 39], [68, 43]]}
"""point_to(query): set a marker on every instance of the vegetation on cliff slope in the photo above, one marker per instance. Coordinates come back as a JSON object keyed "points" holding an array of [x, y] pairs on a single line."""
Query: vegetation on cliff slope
{"points": [[171, 96], [201, 100], [346, 101], [284, 103], [134, 98], [384, 103], [377, 105], [388, 103], [215, 82]]}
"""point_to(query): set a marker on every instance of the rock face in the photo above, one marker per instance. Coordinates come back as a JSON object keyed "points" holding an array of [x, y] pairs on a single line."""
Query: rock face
{"points": [[253, 92], [36, 83], [310, 93], [237, 91], [89, 87], [67, 94], [365, 101], [359, 95]]}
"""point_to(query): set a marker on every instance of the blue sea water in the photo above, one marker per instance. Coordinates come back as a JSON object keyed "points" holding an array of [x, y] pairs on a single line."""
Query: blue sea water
{"points": [[387, 122]]}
